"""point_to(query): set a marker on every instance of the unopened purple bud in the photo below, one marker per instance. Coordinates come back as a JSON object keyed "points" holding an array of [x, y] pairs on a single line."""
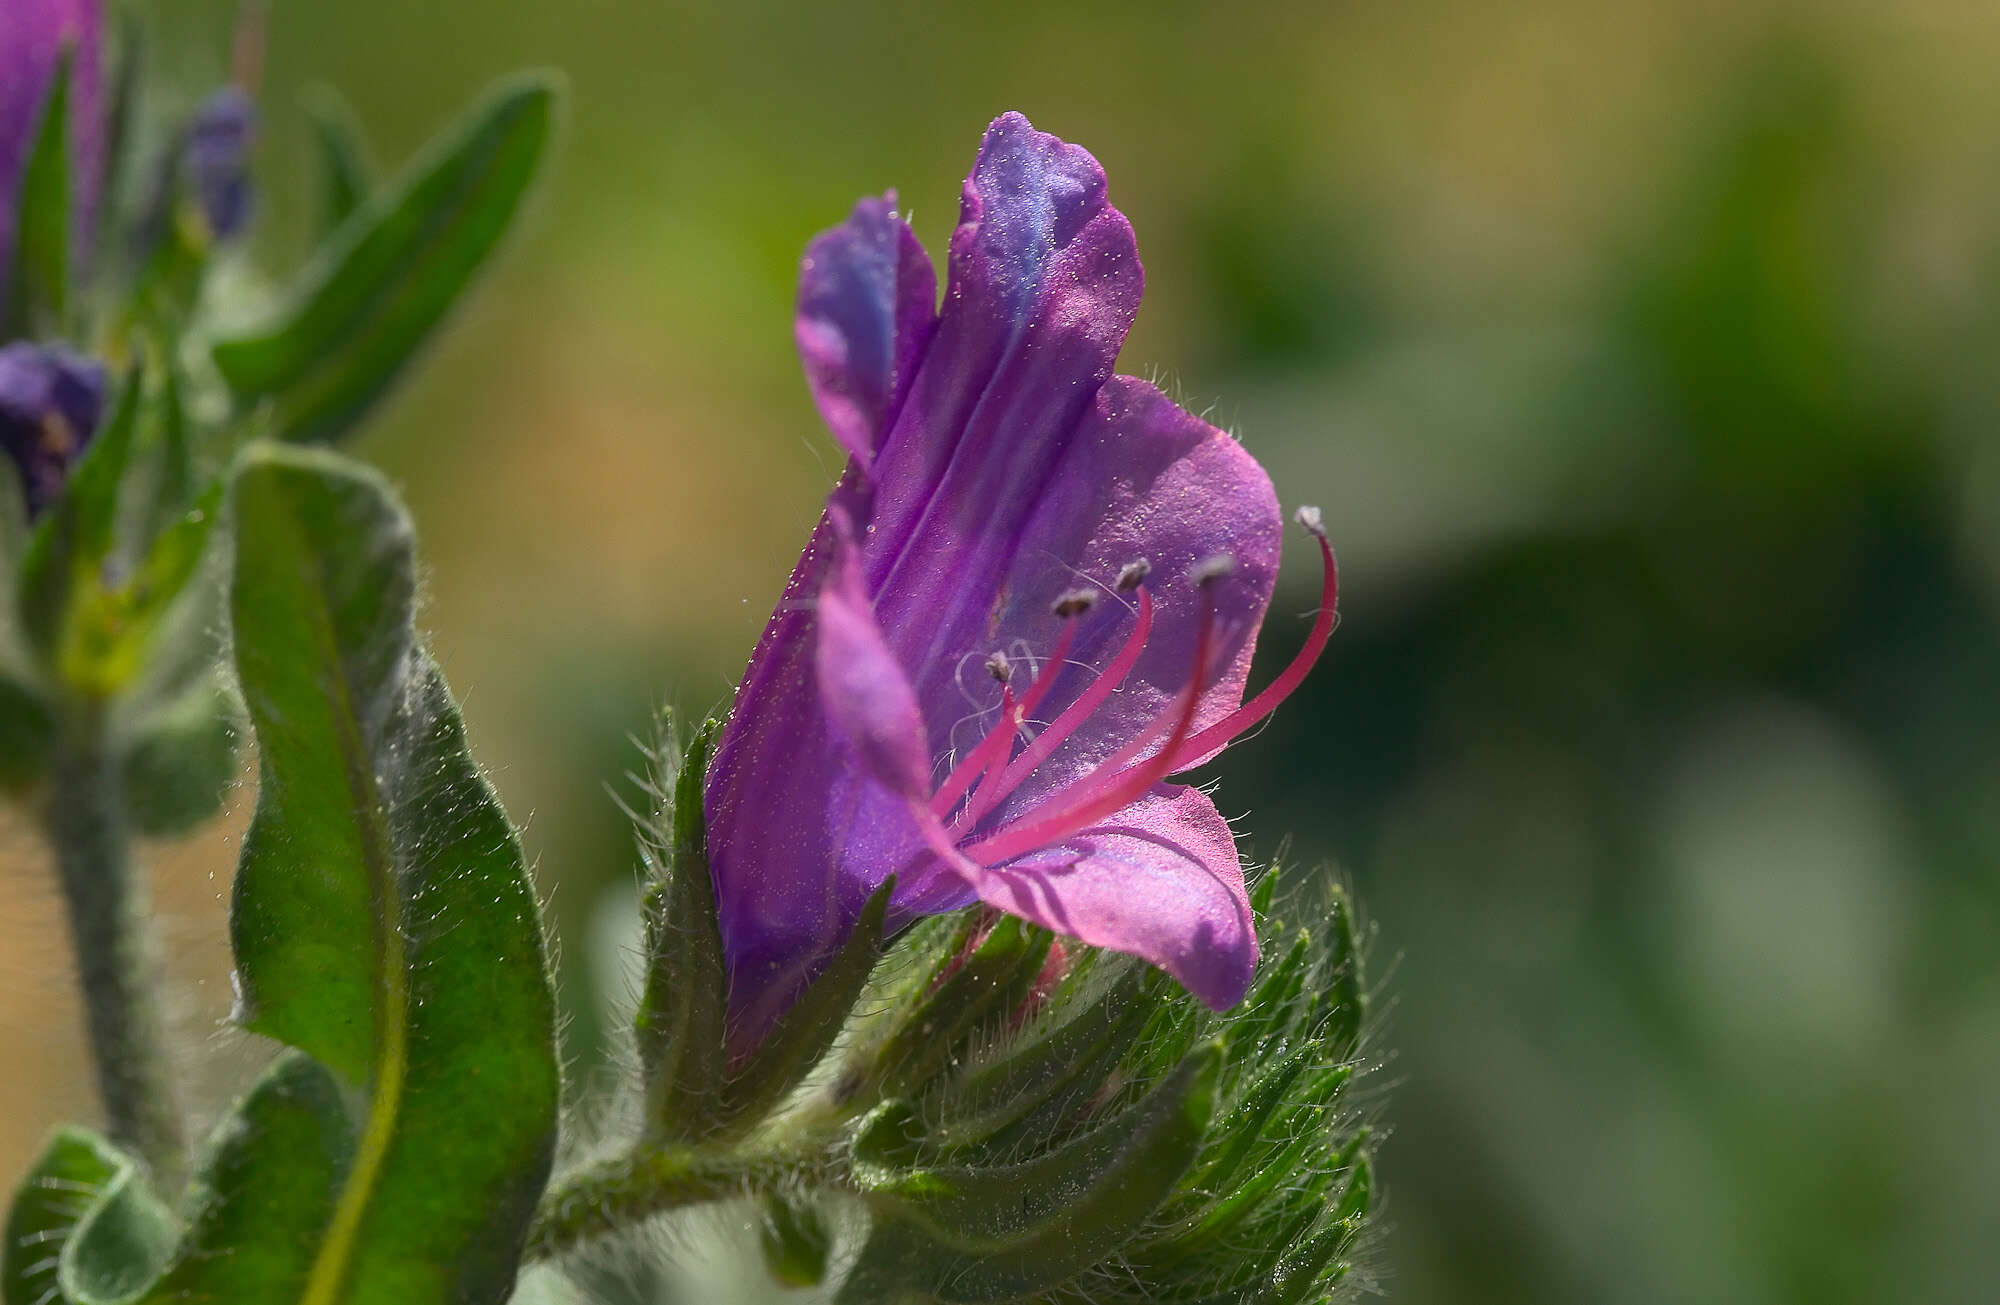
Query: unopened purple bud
{"points": [[216, 155], [50, 403]]}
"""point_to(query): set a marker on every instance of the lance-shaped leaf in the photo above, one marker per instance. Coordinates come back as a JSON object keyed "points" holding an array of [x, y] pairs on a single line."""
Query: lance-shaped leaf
{"points": [[264, 1194], [346, 178], [62, 1187], [119, 1246], [40, 293], [992, 1233], [382, 918], [374, 293]]}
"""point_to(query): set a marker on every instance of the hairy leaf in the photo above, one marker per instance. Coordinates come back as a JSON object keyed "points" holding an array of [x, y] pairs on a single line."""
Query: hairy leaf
{"points": [[38, 295], [370, 298], [265, 1191], [62, 1187], [345, 176], [382, 918]]}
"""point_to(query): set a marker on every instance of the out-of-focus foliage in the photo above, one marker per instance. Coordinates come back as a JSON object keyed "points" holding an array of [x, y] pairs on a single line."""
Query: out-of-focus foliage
{"points": [[1641, 358]]}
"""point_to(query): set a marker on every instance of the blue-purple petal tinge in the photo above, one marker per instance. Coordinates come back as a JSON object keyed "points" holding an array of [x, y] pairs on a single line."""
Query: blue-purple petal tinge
{"points": [[50, 404], [1009, 628]]}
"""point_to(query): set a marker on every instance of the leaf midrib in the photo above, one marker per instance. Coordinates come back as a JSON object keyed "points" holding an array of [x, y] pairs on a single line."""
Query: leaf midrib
{"points": [[391, 980]]}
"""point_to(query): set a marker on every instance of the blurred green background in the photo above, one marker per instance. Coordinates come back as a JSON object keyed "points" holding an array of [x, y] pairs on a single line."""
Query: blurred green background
{"points": [[1641, 358]]}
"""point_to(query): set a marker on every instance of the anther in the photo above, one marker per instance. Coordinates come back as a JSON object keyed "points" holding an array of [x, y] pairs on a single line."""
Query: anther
{"points": [[1133, 575], [1074, 602], [1213, 568], [1309, 517], [999, 667]]}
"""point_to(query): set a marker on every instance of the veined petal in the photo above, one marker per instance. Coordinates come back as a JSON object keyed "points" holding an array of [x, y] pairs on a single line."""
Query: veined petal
{"points": [[863, 688], [1009, 468], [1162, 881], [867, 306], [1140, 478], [1044, 283]]}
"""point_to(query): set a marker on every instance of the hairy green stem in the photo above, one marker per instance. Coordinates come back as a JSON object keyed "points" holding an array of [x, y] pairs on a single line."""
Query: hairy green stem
{"points": [[620, 1193], [85, 821]]}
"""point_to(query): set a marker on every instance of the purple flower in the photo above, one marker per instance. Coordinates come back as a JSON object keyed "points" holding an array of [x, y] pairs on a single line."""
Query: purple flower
{"points": [[1032, 598], [217, 158], [33, 35], [50, 402]]}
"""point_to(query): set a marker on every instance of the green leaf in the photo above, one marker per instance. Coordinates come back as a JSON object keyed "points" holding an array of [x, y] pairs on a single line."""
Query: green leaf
{"points": [[996, 1232], [61, 1187], [808, 1027], [346, 178], [374, 293], [27, 734], [121, 153], [681, 1020], [795, 1242], [119, 1246], [382, 918], [264, 1192], [72, 539], [181, 759], [38, 291]]}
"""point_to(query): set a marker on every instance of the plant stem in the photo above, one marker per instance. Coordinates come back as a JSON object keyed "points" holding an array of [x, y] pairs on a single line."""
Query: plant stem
{"points": [[622, 1192], [86, 829]]}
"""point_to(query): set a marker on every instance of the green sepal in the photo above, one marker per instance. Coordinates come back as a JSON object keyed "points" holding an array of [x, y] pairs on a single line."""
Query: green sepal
{"points": [[37, 300], [27, 734], [365, 304], [1342, 1005], [997, 1232], [264, 1191], [795, 1242], [980, 984], [1315, 1263], [681, 1023], [382, 919], [802, 1035], [180, 759], [1036, 1086], [346, 177], [1274, 1000], [61, 1187], [68, 546]]}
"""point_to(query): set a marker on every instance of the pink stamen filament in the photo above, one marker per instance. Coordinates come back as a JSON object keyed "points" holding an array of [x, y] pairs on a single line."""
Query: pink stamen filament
{"points": [[995, 790], [991, 752], [988, 752], [1115, 783], [1250, 713]]}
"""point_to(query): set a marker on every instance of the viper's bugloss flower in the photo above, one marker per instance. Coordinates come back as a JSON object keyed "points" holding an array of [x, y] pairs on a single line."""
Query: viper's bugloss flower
{"points": [[50, 403], [216, 156], [33, 36], [1032, 598]]}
